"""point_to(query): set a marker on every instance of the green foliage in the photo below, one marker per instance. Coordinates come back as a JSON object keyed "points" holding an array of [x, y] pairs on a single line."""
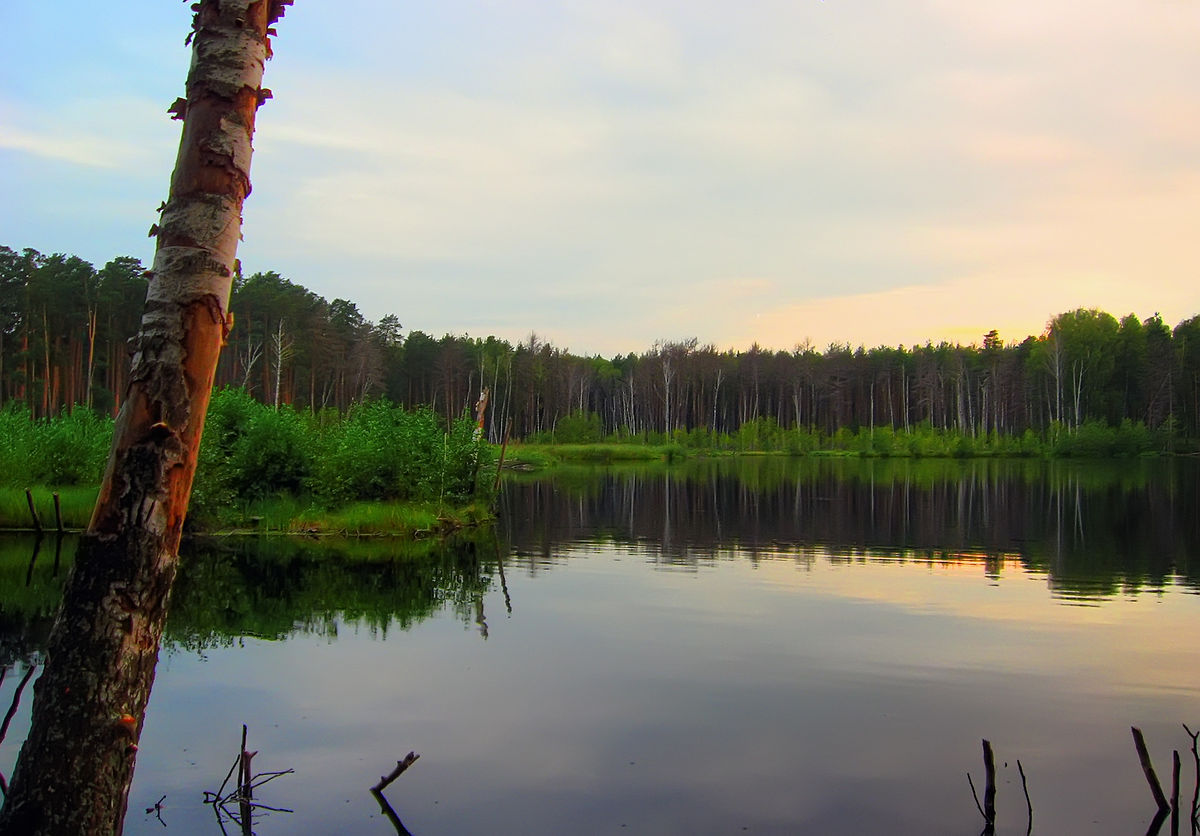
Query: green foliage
{"points": [[272, 455], [579, 428], [70, 449], [75, 505], [763, 435], [17, 433], [1096, 439], [381, 451], [229, 411], [377, 452]]}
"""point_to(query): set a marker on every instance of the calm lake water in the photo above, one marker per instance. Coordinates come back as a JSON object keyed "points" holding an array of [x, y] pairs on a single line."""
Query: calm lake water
{"points": [[763, 646]]}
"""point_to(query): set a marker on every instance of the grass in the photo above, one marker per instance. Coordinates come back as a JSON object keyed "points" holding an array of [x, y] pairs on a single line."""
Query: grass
{"points": [[536, 456], [283, 515], [294, 515], [76, 502], [367, 518]]}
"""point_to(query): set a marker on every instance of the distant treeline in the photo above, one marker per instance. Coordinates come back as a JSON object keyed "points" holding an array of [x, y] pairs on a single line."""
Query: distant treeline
{"points": [[64, 327]]}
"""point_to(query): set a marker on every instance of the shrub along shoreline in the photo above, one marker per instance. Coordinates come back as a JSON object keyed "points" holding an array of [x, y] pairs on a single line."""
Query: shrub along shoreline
{"points": [[382, 469], [377, 469], [1091, 440]]}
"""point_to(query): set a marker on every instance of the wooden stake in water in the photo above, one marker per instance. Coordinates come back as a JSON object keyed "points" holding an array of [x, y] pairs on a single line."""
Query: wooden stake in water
{"points": [[37, 523]]}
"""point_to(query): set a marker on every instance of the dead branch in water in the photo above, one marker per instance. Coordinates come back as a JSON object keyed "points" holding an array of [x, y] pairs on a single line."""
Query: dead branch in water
{"points": [[241, 796], [12, 710], [385, 780], [1028, 803], [16, 701], [1139, 743], [1195, 792], [377, 791], [37, 523], [988, 808]]}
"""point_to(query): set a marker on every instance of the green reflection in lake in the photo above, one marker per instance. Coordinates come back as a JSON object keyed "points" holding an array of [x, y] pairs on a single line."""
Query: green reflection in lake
{"points": [[273, 587], [31, 573], [780, 645], [1095, 528]]}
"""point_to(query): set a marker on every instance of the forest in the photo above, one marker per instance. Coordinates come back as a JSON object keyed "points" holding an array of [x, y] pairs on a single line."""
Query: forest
{"points": [[64, 327]]}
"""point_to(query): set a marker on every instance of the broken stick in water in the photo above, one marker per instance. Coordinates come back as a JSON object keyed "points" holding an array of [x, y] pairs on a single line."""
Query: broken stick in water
{"points": [[1139, 743]]}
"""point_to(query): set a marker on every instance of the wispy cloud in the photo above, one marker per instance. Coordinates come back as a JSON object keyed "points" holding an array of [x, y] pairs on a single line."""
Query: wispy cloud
{"points": [[609, 172], [79, 150], [110, 133]]}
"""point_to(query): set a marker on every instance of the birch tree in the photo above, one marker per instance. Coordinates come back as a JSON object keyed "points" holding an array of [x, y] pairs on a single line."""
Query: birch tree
{"points": [[75, 768]]}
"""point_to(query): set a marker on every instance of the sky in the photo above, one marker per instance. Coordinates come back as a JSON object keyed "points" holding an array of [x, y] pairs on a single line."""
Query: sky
{"points": [[610, 173]]}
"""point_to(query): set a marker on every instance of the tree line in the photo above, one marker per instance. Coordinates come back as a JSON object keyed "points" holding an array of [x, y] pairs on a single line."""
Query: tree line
{"points": [[64, 326]]}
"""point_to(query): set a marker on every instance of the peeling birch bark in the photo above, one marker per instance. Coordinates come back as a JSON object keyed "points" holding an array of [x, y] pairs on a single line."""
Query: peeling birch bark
{"points": [[75, 768]]}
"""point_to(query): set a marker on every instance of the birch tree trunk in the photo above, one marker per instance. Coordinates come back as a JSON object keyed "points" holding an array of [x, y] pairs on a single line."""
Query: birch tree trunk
{"points": [[75, 768]]}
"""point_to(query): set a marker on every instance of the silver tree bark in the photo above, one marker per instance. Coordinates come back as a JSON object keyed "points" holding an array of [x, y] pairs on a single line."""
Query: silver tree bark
{"points": [[75, 768]]}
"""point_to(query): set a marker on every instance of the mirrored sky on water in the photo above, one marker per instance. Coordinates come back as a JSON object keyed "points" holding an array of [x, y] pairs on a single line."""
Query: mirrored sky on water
{"points": [[770, 694]]}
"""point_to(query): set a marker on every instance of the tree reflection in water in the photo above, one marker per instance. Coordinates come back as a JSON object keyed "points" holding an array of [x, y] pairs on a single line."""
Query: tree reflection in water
{"points": [[1092, 530]]}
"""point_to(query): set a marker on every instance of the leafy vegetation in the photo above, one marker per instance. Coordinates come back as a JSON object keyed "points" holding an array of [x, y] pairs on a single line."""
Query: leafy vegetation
{"points": [[256, 460], [67, 450], [376, 452], [1093, 439]]}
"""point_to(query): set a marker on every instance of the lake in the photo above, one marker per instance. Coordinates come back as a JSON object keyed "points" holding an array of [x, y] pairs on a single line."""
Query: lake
{"points": [[761, 645]]}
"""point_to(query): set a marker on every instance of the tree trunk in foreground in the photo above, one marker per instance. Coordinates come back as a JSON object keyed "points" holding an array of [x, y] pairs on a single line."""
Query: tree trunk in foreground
{"points": [[75, 768]]}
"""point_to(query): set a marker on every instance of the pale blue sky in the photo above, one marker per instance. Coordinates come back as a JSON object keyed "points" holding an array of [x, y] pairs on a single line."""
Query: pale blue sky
{"points": [[610, 173]]}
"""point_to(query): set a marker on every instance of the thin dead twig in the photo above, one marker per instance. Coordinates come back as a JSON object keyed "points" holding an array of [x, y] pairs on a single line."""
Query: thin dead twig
{"points": [[384, 780], [1028, 803], [1195, 792], [241, 796]]}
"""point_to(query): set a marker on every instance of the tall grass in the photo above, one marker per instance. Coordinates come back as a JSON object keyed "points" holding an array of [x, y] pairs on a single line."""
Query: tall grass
{"points": [[70, 449]]}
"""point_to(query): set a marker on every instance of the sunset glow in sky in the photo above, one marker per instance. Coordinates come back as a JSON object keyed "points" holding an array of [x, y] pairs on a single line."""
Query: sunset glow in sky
{"points": [[608, 173]]}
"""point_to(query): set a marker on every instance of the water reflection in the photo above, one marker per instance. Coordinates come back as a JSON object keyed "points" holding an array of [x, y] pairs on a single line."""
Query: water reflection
{"points": [[821, 651], [274, 587], [30, 587], [1094, 529]]}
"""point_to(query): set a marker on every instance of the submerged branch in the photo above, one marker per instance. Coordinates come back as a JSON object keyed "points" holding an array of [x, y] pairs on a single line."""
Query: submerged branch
{"points": [[377, 791], [1028, 803], [385, 780], [1196, 791], [241, 796], [1139, 743]]}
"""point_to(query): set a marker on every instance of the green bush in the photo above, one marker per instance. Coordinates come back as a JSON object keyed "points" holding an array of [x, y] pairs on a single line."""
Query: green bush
{"points": [[272, 455], [381, 451], [73, 448], [579, 428], [1093, 439], [229, 412], [17, 431], [1132, 439]]}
